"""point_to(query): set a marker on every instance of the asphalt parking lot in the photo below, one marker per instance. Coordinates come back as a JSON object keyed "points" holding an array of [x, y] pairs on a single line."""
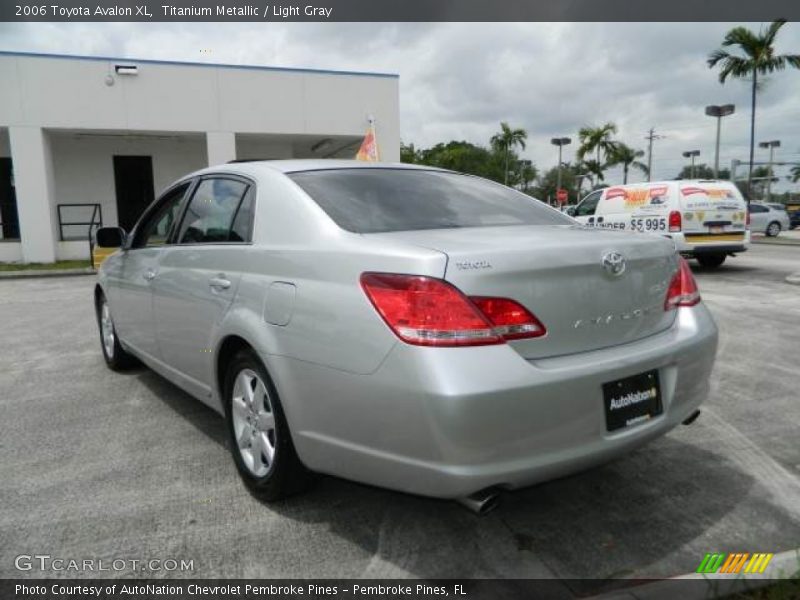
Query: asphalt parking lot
{"points": [[102, 465]]}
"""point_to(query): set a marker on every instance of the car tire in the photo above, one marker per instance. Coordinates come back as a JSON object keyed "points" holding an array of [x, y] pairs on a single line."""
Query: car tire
{"points": [[114, 354], [711, 261], [773, 229], [258, 434]]}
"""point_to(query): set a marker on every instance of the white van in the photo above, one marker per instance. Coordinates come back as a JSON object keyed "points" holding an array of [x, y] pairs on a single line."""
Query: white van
{"points": [[707, 219]]}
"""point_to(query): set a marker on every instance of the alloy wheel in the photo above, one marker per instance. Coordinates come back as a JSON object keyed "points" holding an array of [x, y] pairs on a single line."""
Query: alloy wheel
{"points": [[253, 422], [107, 330]]}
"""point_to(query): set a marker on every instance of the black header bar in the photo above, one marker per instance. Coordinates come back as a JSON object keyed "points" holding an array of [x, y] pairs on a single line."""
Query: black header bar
{"points": [[397, 11]]}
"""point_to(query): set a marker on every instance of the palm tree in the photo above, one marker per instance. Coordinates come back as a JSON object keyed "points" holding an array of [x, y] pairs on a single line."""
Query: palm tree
{"points": [[597, 140], [758, 59], [795, 174], [507, 139], [595, 170], [582, 171], [626, 156]]}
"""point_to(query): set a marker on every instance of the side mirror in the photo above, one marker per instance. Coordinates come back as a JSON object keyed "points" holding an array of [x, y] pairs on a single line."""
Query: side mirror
{"points": [[570, 211], [110, 237]]}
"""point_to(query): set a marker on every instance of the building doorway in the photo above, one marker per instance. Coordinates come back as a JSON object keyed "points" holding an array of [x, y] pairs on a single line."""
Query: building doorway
{"points": [[133, 182], [9, 220]]}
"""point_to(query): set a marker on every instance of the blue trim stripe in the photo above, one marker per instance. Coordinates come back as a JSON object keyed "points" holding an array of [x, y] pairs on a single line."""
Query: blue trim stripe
{"points": [[197, 64]]}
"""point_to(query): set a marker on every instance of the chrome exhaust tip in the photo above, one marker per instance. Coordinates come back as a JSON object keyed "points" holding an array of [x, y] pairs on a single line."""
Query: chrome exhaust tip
{"points": [[692, 417], [482, 502]]}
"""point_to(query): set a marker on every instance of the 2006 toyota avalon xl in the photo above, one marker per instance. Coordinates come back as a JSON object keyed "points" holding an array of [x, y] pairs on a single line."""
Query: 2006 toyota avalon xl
{"points": [[407, 327]]}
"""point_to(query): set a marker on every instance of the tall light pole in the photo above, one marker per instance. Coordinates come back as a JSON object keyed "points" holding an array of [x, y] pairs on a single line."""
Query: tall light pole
{"points": [[691, 154], [719, 112], [771, 145], [560, 142]]}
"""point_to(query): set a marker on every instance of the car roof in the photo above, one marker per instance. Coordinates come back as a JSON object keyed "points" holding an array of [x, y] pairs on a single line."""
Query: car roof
{"points": [[305, 164]]}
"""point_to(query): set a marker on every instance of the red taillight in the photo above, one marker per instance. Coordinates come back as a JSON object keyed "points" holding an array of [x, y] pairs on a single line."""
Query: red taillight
{"points": [[510, 319], [675, 221], [430, 312], [747, 219], [683, 288]]}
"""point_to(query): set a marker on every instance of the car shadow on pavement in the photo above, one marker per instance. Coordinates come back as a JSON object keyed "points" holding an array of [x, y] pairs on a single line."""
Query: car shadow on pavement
{"points": [[728, 268], [205, 419], [634, 517], [613, 521]]}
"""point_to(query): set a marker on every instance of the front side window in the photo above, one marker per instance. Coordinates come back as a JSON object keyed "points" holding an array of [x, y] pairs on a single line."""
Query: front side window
{"points": [[156, 229], [377, 200], [213, 211], [589, 205]]}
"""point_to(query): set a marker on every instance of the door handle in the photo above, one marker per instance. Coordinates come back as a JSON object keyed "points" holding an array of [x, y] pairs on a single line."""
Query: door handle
{"points": [[149, 275], [219, 283]]}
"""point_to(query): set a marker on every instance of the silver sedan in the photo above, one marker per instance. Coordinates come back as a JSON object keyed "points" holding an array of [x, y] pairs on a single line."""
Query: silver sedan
{"points": [[406, 327], [767, 219]]}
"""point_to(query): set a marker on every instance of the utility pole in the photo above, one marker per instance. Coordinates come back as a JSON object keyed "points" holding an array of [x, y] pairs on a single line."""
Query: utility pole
{"points": [[651, 137], [734, 163]]}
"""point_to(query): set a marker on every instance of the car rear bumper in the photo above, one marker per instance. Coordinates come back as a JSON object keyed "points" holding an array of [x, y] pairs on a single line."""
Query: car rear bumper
{"points": [[711, 244], [715, 249], [448, 422]]}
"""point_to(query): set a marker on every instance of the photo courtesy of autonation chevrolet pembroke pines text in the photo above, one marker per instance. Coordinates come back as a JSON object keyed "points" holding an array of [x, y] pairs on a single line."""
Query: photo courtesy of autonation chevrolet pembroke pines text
{"points": [[376, 300]]}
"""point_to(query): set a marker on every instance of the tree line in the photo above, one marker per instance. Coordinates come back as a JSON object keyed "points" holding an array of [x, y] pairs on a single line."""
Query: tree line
{"points": [[499, 160]]}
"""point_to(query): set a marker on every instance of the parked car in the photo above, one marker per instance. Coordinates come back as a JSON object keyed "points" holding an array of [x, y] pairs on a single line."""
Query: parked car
{"points": [[402, 326], [768, 220], [706, 219], [793, 210]]}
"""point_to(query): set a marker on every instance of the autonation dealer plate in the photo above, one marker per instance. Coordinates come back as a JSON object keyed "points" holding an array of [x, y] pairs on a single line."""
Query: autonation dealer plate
{"points": [[632, 400]]}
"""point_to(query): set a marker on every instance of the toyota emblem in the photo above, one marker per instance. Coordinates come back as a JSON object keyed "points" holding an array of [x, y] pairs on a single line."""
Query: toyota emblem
{"points": [[614, 263]]}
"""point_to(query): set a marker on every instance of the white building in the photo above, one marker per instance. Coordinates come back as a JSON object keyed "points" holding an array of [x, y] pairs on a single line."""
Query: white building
{"points": [[81, 136]]}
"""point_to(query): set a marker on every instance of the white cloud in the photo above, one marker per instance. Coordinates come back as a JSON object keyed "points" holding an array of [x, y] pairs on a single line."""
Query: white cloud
{"points": [[458, 81]]}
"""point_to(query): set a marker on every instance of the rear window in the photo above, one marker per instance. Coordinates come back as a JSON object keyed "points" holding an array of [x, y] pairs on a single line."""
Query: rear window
{"points": [[382, 200]]}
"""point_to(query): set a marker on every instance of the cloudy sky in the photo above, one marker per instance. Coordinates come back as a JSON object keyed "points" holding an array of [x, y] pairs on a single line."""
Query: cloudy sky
{"points": [[458, 81]]}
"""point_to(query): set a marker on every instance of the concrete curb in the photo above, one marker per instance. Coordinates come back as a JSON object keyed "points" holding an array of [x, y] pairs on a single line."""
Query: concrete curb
{"points": [[794, 278], [705, 587], [46, 273], [776, 241]]}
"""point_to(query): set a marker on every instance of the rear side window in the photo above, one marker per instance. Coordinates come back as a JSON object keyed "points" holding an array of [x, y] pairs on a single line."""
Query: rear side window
{"points": [[383, 200], [212, 212], [241, 230]]}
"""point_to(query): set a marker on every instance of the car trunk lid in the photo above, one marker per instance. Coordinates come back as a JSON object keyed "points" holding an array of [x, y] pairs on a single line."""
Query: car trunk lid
{"points": [[557, 273]]}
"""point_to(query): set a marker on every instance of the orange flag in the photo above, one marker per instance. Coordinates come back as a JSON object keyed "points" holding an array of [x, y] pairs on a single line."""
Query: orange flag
{"points": [[369, 147]]}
